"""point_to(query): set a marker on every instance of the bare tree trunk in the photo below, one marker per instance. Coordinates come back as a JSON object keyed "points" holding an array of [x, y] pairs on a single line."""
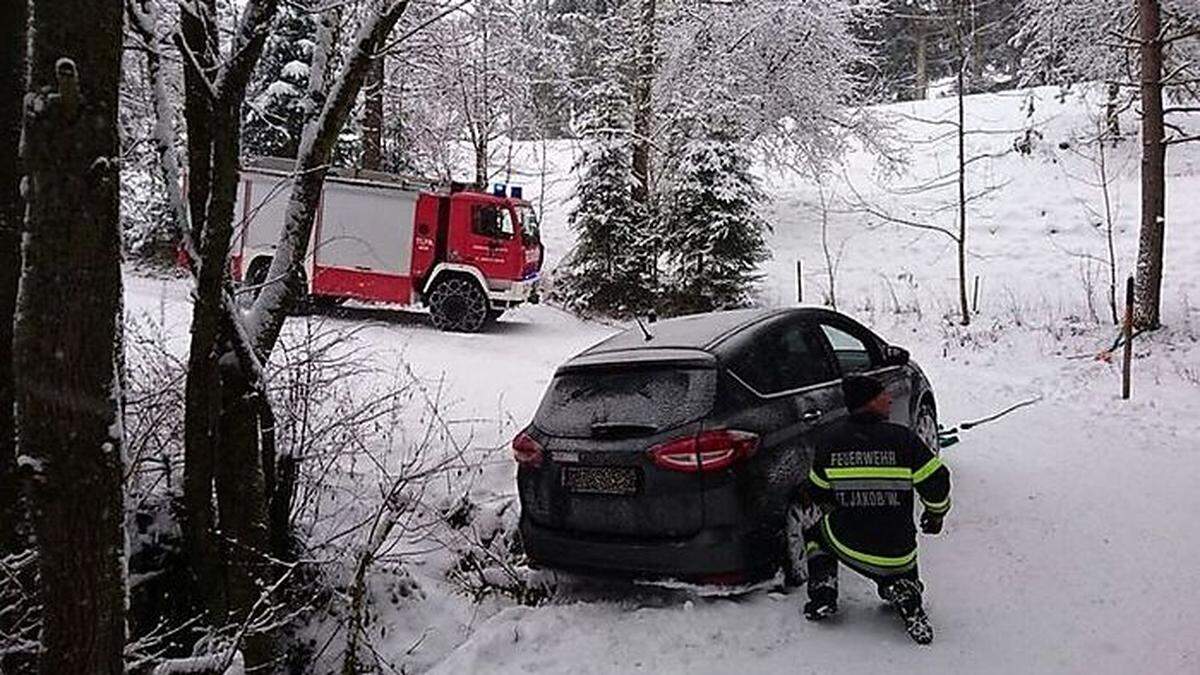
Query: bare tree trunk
{"points": [[1108, 230], [830, 264], [12, 79], [481, 160], [197, 41], [67, 336], [372, 156], [1112, 114], [920, 34], [643, 88], [1150, 241], [962, 197], [212, 105]]}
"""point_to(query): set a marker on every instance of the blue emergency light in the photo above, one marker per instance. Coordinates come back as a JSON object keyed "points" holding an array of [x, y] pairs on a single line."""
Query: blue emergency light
{"points": [[515, 192], [499, 189]]}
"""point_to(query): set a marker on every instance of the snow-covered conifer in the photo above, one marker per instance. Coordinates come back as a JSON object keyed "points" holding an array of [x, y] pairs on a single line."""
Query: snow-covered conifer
{"points": [[274, 115], [611, 270], [713, 235]]}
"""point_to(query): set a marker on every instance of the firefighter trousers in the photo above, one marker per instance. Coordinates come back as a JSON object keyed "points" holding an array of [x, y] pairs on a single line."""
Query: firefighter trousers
{"points": [[823, 572]]}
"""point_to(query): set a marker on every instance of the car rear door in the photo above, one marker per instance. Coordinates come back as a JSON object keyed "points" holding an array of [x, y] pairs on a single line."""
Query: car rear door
{"points": [[596, 426], [792, 387], [857, 350]]}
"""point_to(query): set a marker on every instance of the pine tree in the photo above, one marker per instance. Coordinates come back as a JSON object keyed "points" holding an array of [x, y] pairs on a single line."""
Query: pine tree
{"points": [[611, 270], [274, 115], [712, 232]]}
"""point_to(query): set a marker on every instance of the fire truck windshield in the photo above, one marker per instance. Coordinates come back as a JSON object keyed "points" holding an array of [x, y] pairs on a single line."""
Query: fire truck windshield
{"points": [[530, 228]]}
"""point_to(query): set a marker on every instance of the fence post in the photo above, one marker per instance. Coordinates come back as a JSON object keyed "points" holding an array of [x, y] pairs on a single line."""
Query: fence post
{"points": [[799, 282], [975, 299], [1127, 330]]}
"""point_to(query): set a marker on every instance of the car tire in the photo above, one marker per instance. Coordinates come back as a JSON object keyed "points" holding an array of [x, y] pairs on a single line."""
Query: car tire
{"points": [[926, 426], [795, 565], [458, 304]]}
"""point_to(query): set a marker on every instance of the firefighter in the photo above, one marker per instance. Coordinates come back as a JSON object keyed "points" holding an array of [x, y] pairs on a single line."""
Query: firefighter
{"points": [[864, 471]]}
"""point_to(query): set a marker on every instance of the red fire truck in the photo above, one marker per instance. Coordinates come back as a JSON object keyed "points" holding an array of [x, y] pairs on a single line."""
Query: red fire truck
{"points": [[382, 238]]}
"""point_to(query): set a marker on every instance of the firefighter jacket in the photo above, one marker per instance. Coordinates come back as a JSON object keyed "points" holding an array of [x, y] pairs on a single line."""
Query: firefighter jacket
{"points": [[863, 475]]}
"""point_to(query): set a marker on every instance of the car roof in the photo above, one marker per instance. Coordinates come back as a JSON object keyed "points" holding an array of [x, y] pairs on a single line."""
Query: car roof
{"points": [[686, 340], [695, 331]]}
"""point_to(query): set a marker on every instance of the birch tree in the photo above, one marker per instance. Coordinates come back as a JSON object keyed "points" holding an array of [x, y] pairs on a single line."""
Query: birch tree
{"points": [[67, 342]]}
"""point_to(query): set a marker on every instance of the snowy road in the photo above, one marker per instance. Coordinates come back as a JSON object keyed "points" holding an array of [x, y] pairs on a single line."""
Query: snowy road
{"points": [[1071, 546]]}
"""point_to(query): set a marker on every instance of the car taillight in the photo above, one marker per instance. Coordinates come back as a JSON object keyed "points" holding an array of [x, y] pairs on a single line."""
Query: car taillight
{"points": [[526, 451], [710, 451]]}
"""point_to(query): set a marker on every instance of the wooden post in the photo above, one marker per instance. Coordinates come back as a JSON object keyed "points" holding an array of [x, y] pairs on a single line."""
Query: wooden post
{"points": [[975, 296], [1128, 333], [799, 282]]}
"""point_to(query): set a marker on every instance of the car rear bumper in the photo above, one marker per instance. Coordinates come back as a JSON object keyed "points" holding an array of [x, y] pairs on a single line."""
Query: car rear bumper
{"points": [[710, 553]]}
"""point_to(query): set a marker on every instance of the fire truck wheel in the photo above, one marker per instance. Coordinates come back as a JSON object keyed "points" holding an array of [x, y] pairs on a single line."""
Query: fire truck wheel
{"points": [[458, 304], [256, 276]]}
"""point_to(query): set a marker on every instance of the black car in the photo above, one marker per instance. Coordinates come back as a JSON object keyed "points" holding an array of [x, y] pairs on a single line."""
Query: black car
{"points": [[677, 455]]}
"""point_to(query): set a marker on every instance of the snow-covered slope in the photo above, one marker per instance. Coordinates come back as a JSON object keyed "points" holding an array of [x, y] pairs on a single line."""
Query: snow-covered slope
{"points": [[1036, 224], [1072, 543]]}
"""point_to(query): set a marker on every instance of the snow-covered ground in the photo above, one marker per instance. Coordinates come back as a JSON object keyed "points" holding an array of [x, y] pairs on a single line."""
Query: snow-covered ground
{"points": [[1072, 545]]}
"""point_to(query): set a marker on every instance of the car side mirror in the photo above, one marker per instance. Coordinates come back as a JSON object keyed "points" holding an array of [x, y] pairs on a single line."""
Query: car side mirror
{"points": [[895, 356]]}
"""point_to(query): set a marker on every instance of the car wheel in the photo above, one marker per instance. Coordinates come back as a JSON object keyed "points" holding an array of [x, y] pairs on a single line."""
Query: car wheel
{"points": [[795, 566], [458, 304], [927, 427]]}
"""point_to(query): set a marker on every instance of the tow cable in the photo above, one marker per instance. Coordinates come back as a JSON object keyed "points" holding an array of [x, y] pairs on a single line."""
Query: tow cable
{"points": [[949, 437], [1106, 355]]}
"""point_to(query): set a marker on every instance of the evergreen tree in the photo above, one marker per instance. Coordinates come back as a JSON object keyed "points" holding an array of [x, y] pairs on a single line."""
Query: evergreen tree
{"points": [[274, 115], [611, 270], [712, 233]]}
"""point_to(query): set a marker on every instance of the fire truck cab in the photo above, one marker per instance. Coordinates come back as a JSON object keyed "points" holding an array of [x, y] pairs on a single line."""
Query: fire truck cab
{"points": [[383, 238]]}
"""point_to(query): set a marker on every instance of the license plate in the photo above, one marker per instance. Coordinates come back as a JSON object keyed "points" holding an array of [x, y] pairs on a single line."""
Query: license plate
{"points": [[601, 480]]}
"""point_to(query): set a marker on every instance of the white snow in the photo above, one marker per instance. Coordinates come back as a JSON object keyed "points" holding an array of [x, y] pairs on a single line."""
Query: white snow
{"points": [[1072, 545], [295, 71]]}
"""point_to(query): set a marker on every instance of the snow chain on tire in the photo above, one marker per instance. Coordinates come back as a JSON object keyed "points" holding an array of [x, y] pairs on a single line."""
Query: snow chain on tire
{"points": [[458, 304]]}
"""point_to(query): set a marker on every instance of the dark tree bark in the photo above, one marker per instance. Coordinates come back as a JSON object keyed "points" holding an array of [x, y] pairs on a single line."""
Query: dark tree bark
{"points": [[1112, 114], [1150, 241], [643, 88], [921, 57], [12, 80], [372, 156], [213, 95], [67, 335], [198, 37]]}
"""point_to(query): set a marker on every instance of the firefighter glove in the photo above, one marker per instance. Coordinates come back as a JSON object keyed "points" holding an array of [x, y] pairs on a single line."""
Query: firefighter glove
{"points": [[931, 523]]}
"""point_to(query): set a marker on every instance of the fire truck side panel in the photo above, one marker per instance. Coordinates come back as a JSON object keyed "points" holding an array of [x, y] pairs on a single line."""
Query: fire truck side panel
{"points": [[261, 205], [365, 247]]}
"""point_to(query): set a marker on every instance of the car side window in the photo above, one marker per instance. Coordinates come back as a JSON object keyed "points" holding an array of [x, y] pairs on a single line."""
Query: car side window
{"points": [[785, 357], [852, 353]]}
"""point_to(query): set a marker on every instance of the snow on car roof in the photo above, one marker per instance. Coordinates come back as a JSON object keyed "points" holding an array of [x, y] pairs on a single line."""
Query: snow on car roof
{"points": [[696, 331]]}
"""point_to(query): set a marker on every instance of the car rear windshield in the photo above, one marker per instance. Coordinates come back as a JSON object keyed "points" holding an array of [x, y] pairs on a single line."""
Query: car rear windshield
{"points": [[634, 402]]}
